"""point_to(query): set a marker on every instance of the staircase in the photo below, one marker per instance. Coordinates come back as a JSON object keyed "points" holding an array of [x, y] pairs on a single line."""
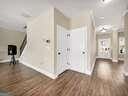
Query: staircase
{"points": [[23, 44]]}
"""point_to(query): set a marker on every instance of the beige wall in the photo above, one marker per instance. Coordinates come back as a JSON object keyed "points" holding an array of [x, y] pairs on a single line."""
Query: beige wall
{"points": [[61, 19], [38, 53], [115, 46], [80, 21], [9, 37]]}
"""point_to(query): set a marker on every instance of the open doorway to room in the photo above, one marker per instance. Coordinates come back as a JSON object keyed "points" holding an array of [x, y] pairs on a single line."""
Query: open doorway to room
{"points": [[104, 48]]}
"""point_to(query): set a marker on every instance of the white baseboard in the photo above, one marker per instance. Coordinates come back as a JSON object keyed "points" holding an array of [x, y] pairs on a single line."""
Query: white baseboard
{"points": [[97, 57], [126, 74], [7, 60], [114, 60], [93, 66], [88, 72], [91, 71], [121, 59], [51, 75]]}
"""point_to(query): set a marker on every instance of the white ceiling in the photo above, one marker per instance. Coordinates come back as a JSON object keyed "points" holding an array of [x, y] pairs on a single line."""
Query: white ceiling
{"points": [[14, 13]]}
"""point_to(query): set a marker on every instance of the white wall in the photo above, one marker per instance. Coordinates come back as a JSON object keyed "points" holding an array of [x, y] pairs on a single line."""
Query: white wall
{"points": [[91, 44], [9, 37]]}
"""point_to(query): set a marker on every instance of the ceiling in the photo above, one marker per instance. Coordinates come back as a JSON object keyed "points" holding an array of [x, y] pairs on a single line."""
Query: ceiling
{"points": [[14, 13]]}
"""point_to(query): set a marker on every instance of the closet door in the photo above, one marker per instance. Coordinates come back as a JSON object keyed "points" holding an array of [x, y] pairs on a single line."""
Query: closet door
{"points": [[78, 50], [62, 45]]}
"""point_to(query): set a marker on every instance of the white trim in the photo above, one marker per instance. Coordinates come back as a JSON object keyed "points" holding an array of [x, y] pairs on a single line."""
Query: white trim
{"points": [[126, 74], [88, 72], [91, 71], [93, 65], [121, 59], [7, 60], [51, 75], [113, 60], [102, 57]]}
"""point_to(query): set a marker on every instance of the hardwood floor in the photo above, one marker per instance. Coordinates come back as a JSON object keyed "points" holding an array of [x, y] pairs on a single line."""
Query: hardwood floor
{"points": [[107, 80]]}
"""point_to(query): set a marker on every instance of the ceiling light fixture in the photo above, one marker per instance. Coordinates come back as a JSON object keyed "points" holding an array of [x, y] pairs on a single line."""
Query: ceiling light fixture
{"points": [[103, 30], [106, 1], [102, 17]]}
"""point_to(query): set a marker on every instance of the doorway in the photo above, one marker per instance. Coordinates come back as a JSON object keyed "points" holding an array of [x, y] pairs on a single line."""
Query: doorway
{"points": [[104, 48]]}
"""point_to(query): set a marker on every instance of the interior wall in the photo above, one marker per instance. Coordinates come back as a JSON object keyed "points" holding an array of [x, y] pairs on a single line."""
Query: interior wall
{"points": [[9, 37], [115, 46], [80, 21], [92, 43], [39, 51]]}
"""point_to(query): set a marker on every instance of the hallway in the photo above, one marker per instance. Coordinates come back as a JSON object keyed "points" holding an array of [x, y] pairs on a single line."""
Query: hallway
{"points": [[107, 80]]}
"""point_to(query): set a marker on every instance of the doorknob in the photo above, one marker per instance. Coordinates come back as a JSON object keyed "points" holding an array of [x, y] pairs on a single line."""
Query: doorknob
{"points": [[83, 52], [59, 53]]}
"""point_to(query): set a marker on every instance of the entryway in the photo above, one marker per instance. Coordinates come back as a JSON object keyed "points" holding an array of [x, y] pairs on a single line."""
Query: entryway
{"points": [[104, 48]]}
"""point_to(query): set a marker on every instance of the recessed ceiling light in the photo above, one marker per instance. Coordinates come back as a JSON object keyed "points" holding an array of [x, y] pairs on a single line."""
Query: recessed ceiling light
{"points": [[103, 30], [101, 17], [25, 15], [106, 1]]}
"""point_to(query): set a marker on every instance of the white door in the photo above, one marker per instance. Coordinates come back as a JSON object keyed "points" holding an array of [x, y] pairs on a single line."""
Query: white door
{"points": [[78, 49], [104, 48], [62, 46]]}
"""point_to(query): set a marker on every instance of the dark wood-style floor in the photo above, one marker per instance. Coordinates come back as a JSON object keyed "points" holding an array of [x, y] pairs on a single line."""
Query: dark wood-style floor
{"points": [[107, 80]]}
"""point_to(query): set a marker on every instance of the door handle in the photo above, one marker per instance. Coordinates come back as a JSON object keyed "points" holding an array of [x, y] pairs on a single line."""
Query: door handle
{"points": [[59, 53], [83, 52]]}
